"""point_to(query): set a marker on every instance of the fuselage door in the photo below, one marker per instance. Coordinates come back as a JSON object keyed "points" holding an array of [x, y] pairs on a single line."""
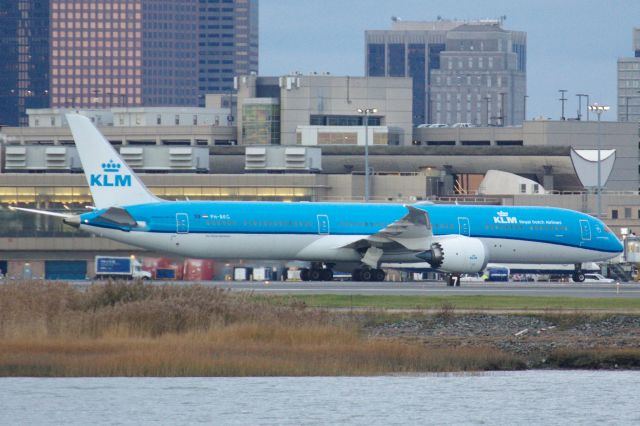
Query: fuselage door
{"points": [[585, 230], [182, 223], [463, 226], [323, 224]]}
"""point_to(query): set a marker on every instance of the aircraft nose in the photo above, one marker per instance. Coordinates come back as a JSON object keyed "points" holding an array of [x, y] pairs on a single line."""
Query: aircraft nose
{"points": [[619, 247]]}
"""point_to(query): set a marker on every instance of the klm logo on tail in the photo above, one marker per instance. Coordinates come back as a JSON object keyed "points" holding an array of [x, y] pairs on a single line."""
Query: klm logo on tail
{"points": [[111, 176]]}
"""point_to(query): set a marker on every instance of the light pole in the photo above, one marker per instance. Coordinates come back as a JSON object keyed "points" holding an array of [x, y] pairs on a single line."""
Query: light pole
{"points": [[598, 109], [365, 117]]}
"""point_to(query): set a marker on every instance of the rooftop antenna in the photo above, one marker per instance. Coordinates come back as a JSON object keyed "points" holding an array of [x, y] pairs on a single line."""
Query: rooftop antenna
{"points": [[562, 100]]}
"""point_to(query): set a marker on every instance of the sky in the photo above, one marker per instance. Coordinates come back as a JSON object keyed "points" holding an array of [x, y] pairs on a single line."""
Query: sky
{"points": [[571, 44]]}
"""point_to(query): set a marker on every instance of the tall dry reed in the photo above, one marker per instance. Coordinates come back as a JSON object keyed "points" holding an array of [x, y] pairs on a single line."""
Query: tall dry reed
{"points": [[131, 329]]}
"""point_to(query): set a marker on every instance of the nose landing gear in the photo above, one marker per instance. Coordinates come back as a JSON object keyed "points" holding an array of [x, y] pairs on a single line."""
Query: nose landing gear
{"points": [[578, 275]]}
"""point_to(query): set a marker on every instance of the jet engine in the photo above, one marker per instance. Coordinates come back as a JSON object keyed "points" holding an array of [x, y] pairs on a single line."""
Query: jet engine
{"points": [[456, 254]]}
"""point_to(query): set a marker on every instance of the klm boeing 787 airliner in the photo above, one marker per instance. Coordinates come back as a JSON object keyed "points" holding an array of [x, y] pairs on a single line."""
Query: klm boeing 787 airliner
{"points": [[453, 239]]}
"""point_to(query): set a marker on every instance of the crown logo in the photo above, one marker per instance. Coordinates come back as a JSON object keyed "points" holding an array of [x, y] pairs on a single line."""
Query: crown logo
{"points": [[111, 167], [503, 214]]}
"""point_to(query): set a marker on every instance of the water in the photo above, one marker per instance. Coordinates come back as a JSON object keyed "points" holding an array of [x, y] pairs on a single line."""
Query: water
{"points": [[530, 397]]}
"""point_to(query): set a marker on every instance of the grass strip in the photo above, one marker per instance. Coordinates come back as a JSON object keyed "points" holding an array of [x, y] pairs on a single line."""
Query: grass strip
{"points": [[459, 302]]}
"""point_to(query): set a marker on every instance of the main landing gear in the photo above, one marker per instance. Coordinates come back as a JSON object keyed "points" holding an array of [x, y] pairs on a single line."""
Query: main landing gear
{"points": [[320, 272], [578, 275], [316, 274], [367, 274]]}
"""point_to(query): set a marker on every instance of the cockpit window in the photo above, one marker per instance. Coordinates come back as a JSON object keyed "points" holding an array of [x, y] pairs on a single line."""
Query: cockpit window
{"points": [[607, 230]]}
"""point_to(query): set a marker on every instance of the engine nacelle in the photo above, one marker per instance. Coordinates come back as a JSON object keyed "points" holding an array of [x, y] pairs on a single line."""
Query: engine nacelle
{"points": [[456, 254]]}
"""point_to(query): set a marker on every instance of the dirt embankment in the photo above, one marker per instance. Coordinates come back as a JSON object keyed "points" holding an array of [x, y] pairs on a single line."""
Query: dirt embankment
{"points": [[542, 341]]}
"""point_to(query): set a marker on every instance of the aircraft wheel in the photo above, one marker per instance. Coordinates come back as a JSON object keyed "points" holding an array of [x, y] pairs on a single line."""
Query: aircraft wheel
{"points": [[315, 274], [378, 275], [327, 275], [366, 275], [578, 277], [304, 274]]}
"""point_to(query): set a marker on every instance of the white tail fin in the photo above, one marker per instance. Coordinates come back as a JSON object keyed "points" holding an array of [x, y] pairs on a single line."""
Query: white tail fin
{"points": [[111, 181]]}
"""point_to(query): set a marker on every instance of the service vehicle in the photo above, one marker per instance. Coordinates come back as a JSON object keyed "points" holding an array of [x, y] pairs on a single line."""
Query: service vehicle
{"points": [[120, 267]]}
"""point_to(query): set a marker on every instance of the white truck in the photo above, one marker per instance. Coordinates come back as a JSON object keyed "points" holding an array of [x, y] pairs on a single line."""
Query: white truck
{"points": [[120, 267]]}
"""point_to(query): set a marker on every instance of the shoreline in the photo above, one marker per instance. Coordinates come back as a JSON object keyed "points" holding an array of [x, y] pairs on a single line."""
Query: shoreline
{"points": [[550, 340]]}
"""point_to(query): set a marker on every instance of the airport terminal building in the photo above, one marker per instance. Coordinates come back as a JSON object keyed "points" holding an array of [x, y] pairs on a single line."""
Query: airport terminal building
{"points": [[299, 138]]}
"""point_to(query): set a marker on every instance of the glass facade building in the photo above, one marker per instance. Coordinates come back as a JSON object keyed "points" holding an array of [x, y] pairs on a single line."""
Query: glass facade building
{"points": [[261, 122], [227, 43], [104, 53], [455, 67], [123, 53], [24, 68], [629, 83], [169, 52]]}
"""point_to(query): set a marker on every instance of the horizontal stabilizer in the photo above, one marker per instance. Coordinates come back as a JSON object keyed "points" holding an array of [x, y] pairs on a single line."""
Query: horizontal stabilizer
{"points": [[42, 212], [69, 219]]}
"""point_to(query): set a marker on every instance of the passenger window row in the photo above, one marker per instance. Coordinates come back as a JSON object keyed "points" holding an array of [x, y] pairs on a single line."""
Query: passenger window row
{"points": [[513, 227], [221, 222], [445, 225], [362, 224], [292, 223]]}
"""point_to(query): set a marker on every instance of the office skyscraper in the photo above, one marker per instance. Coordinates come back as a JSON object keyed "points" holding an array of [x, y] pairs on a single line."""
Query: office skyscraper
{"points": [[101, 53], [228, 43], [472, 72], [24, 67], [123, 52], [629, 83]]}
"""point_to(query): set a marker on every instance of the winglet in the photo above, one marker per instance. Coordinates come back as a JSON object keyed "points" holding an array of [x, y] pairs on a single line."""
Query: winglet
{"points": [[111, 181]]}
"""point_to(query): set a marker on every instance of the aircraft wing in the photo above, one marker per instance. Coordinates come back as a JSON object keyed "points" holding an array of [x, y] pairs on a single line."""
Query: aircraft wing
{"points": [[412, 231]]}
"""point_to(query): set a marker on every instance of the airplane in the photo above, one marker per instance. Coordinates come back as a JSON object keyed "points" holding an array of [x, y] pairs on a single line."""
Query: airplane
{"points": [[453, 239]]}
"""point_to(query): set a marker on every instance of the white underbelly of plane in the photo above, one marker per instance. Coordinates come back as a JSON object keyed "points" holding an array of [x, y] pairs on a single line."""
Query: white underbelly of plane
{"points": [[237, 246], [519, 251]]}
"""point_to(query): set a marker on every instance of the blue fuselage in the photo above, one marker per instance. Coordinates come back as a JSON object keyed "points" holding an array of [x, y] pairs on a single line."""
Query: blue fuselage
{"points": [[499, 227]]}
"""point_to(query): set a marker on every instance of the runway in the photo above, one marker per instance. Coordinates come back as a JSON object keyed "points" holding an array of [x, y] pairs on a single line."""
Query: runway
{"points": [[435, 288]]}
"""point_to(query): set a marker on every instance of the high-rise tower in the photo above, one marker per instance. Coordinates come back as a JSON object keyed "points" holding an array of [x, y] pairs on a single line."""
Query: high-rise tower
{"points": [[227, 45], [24, 68], [471, 72], [102, 53], [629, 83], [123, 53]]}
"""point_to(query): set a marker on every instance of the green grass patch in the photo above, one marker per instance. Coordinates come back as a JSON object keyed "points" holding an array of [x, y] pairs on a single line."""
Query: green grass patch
{"points": [[460, 302]]}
